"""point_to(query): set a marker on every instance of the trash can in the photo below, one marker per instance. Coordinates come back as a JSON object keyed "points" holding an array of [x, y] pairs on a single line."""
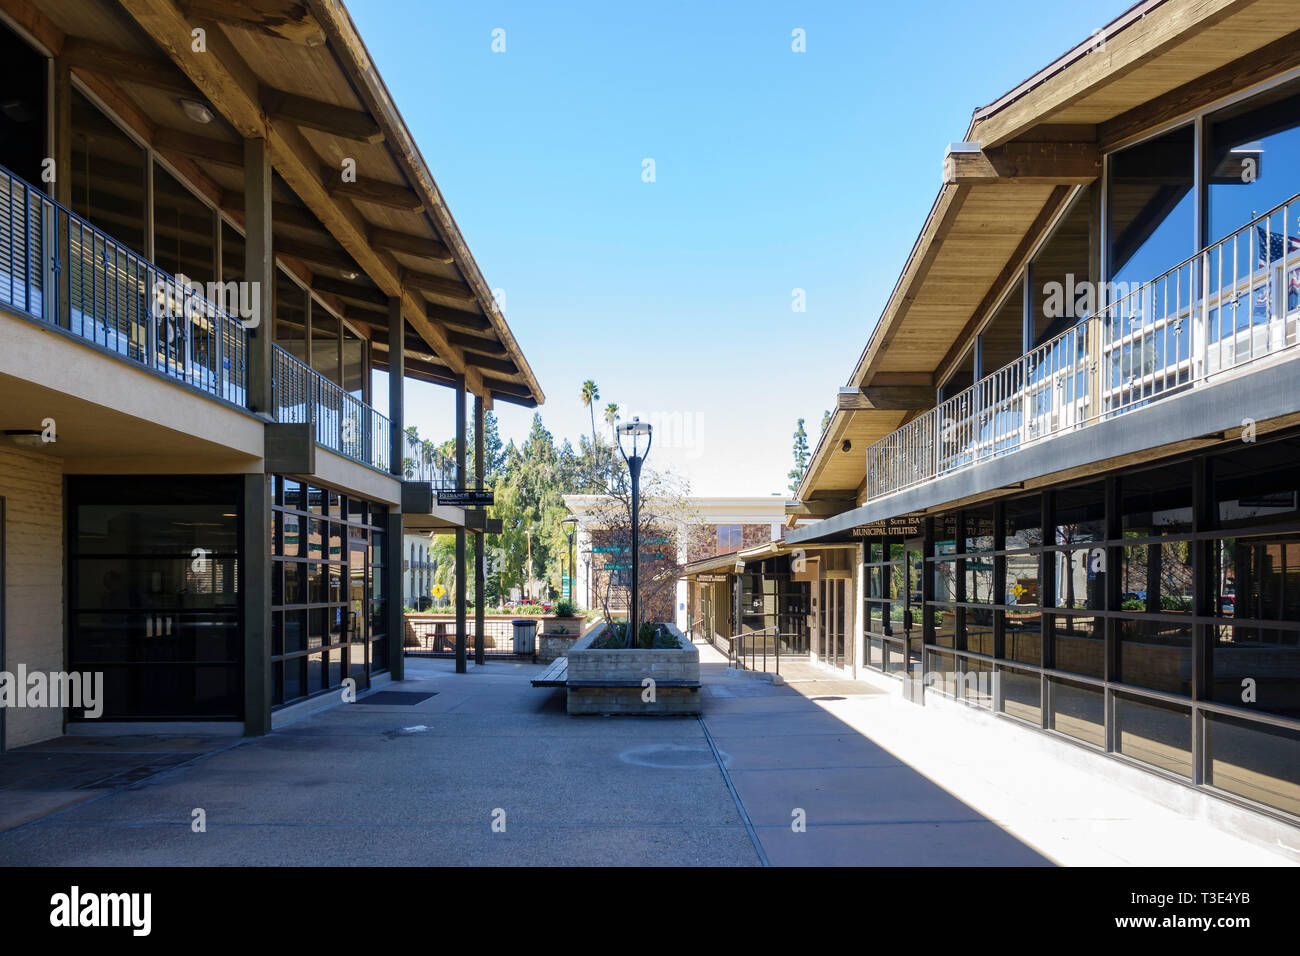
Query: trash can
{"points": [[524, 633]]}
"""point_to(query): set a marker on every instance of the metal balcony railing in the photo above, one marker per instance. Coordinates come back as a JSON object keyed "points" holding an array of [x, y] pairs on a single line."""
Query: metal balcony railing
{"points": [[424, 462], [344, 423], [57, 268], [1230, 307]]}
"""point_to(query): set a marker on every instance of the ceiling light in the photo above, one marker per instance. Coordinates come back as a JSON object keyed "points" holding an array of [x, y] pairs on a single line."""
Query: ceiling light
{"points": [[196, 111], [25, 437], [349, 275]]}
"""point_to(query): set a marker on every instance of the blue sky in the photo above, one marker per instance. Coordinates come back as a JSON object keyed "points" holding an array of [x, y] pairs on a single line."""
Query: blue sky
{"points": [[774, 171]]}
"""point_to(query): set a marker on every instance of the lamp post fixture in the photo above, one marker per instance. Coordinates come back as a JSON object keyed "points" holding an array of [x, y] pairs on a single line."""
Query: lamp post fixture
{"points": [[528, 567], [570, 524], [629, 446]]}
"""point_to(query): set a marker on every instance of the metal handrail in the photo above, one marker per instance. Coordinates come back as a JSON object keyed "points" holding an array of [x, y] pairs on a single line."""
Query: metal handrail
{"points": [[1169, 334], [424, 462], [58, 268], [343, 423], [738, 640]]}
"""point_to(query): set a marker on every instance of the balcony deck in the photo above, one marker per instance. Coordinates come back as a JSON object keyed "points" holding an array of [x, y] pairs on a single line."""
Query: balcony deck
{"points": [[1230, 310], [58, 270]]}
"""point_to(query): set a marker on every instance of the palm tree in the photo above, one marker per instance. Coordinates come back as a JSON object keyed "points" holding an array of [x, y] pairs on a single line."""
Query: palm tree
{"points": [[611, 415], [590, 395]]}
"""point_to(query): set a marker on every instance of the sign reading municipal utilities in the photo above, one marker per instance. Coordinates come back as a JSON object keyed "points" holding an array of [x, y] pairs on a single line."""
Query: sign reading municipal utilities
{"points": [[909, 526]]}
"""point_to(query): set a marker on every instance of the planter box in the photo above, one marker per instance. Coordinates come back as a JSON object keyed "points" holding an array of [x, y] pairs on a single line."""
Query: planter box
{"points": [[612, 681], [560, 635]]}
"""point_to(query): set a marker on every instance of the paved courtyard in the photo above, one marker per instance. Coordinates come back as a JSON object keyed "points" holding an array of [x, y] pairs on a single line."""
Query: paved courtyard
{"points": [[490, 771]]}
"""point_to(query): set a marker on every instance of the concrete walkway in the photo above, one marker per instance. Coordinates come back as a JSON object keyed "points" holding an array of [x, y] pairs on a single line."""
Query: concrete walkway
{"points": [[486, 770]]}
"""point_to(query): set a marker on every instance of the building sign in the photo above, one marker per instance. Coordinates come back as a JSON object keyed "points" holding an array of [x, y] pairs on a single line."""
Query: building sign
{"points": [[466, 498], [711, 578], [908, 527]]}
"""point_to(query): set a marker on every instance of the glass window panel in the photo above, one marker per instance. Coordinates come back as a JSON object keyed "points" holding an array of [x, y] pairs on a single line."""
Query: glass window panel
{"points": [[1256, 668], [1023, 523], [184, 230], [979, 581], [1258, 578], [1023, 636], [1259, 484], [1157, 502], [945, 580], [1154, 732], [1021, 694], [131, 527], [295, 631], [1253, 155], [108, 178], [1156, 654], [1151, 199], [945, 626], [979, 630], [1022, 580], [1079, 644], [1080, 578], [1081, 514], [1157, 578], [1078, 711], [978, 529], [1255, 761]]}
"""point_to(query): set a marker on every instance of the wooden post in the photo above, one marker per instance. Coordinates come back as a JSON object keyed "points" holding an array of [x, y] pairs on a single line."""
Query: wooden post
{"points": [[460, 532], [480, 538], [397, 443]]}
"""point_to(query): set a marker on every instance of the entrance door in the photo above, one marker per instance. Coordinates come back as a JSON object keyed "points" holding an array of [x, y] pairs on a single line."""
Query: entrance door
{"points": [[831, 618]]}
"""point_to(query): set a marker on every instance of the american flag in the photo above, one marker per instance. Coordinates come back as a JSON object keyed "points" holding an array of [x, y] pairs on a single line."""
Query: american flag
{"points": [[1272, 250]]}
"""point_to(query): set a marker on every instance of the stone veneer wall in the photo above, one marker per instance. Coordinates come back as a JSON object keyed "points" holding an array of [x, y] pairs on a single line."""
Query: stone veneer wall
{"points": [[32, 486]]}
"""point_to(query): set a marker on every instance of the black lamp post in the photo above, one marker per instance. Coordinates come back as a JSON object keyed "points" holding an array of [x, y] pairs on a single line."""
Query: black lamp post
{"points": [[629, 446], [570, 523]]}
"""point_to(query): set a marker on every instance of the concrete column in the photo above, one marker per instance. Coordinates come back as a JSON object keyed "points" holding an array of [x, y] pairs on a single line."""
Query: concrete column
{"points": [[460, 532], [480, 539], [255, 599], [259, 269]]}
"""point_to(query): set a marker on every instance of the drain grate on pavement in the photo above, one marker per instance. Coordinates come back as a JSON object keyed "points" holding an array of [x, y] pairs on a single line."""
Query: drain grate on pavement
{"points": [[398, 698]]}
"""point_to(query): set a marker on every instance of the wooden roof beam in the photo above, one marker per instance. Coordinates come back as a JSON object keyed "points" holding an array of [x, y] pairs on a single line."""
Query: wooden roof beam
{"points": [[317, 255], [219, 152], [314, 114], [284, 19], [233, 89], [1025, 164], [457, 318], [391, 195], [437, 285], [366, 298], [885, 398], [115, 64], [474, 343], [419, 246]]}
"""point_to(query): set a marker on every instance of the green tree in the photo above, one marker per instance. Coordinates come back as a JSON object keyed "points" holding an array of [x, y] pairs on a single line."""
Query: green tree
{"points": [[800, 457], [590, 395]]}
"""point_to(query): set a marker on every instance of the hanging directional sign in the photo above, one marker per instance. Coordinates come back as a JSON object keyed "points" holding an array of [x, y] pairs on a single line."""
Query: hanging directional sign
{"points": [[466, 498]]}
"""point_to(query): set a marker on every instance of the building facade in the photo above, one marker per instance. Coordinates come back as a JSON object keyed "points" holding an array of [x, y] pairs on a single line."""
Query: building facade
{"points": [[212, 235], [1063, 477]]}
